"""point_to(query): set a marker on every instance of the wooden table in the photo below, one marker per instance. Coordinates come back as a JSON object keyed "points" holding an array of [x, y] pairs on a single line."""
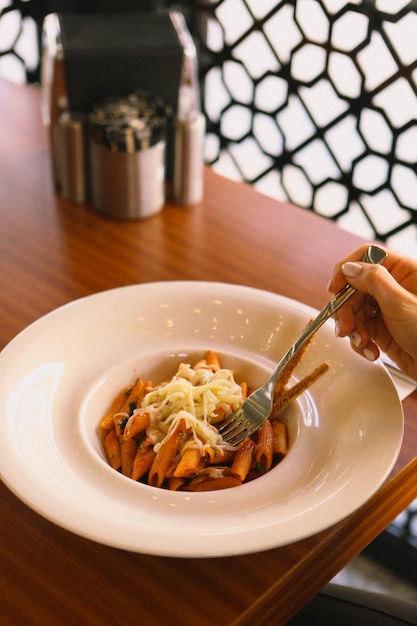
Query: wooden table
{"points": [[52, 252]]}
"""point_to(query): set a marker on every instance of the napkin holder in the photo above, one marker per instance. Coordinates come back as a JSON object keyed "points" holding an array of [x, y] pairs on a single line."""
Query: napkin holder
{"points": [[92, 56]]}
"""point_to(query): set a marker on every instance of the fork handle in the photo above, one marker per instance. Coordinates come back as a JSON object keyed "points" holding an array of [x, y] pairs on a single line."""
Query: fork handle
{"points": [[373, 255]]}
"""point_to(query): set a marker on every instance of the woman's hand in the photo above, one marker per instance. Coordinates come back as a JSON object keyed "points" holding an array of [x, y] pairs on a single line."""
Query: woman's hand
{"points": [[382, 315]]}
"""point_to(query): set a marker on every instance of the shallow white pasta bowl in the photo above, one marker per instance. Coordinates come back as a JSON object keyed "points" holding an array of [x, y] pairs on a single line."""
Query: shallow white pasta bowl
{"points": [[59, 375]]}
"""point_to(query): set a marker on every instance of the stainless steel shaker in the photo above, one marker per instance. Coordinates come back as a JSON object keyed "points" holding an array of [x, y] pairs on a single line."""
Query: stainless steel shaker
{"points": [[189, 125], [73, 159], [127, 157], [188, 184]]}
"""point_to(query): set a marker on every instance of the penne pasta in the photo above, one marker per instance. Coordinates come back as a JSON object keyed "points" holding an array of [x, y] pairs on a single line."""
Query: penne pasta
{"points": [[175, 483], [128, 449], [264, 448], [142, 463], [188, 462], [165, 455], [212, 359], [244, 388], [112, 449], [213, 484], [280, 437], [166, 435], [220, 415], [133, 398], [243, 459], [137, 423], [107, 420], [217, 455], [201, 363], [119, 422]]}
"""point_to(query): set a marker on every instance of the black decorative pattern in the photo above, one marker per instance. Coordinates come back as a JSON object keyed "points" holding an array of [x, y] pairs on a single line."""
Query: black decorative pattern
{"points": [[316, 102]]}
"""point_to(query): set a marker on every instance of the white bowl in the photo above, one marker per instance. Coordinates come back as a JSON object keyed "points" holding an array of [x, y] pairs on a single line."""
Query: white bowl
{"points": [[58, 376]]}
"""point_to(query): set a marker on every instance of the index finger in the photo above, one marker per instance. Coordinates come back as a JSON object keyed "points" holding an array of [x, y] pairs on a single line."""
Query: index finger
{"points": [[337, 280]]}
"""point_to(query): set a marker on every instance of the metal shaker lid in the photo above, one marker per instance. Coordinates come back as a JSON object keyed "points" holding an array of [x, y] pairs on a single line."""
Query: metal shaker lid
{"points": [[131, 123]]}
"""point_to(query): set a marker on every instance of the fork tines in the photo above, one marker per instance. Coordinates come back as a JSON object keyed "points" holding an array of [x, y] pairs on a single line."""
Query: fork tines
{"points": [[233, 429]]}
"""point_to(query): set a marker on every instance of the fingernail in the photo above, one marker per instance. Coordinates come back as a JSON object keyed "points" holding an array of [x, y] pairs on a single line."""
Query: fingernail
{"points": [[336, 328], [351, 269], [329, 284], [356, 339], [369, 354]]}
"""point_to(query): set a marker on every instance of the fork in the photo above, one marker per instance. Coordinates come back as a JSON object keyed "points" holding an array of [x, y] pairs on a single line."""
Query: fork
{"points": [[257, 407]]}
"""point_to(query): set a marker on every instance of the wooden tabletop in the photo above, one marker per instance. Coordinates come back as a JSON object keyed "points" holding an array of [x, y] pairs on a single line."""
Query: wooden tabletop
{"points": [[53, 252]]}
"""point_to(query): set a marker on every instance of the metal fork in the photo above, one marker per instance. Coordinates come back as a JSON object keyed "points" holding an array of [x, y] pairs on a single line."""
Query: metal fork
{"points": [[257, 407]]}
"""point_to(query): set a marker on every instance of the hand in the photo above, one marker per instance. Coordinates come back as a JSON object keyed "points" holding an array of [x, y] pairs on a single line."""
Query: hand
{"points": [[382, 315]]}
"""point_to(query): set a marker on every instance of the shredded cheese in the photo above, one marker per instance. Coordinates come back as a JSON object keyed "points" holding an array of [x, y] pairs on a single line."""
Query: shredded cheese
{"points": [[193, 395]]}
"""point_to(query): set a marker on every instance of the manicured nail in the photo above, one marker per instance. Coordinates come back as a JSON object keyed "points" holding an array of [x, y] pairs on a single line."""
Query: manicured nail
{"points": [[351, 269], [336, 328], [356, 339], [329, 284], [369, 354]]}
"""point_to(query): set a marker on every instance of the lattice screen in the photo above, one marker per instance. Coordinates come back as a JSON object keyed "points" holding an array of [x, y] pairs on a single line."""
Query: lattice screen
{"points": [[316, 101]]}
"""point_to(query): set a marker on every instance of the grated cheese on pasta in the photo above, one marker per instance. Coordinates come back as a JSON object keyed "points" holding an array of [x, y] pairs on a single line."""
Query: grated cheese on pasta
{"points": [[193, 395]]}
